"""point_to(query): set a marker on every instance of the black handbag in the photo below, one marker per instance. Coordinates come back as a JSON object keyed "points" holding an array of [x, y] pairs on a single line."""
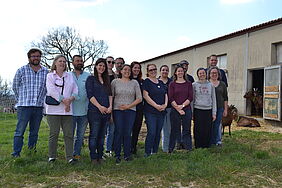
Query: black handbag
{"points": [[50, 100]]}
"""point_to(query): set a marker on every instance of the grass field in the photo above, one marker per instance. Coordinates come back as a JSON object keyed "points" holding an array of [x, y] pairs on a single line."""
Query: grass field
{"points": [[247, 159]]}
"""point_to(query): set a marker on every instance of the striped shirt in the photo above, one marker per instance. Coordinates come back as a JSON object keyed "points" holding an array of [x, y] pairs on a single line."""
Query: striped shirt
{"points": [[30, 86]]}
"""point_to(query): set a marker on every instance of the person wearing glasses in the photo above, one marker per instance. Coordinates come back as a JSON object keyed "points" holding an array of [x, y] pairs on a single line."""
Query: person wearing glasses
{"points": [[126, 95], [137, 75], [62, 87], [212, 62], [110, 124], [180, 94], [98, 90], [119, 62], [80, 106], [164, 70], [29, 86], [204, 109], [156, 100], [221, 103]]}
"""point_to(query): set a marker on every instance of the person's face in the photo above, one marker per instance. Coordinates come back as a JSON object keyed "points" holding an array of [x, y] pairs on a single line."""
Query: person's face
{"points": [[214, 74], [34, 58], [110, 63], [185, 67], [164, 72], [136, 70], [100, 68], [60, 64], [118, 64], [152, 71], [213, 61], [202, 75], [77, 63], [179, 72], [125, 72]]}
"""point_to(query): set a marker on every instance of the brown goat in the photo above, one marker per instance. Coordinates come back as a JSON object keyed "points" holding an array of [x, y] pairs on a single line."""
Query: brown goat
{"points": [[256, 99], [247, 122], [232, 114]]}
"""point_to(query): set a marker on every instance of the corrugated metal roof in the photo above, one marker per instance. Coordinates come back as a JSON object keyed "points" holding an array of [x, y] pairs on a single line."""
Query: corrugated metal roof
{"points": [[224, 37]]}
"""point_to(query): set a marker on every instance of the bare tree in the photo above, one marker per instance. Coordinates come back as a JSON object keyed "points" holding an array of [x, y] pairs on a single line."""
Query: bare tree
{"points": [[66, 41]]}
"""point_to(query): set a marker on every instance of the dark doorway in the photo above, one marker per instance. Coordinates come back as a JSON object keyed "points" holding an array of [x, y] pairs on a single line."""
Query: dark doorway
{"points": [[258, 77]]}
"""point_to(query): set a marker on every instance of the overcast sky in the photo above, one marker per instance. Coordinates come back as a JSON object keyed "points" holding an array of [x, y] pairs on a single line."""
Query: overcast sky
{"points": [[134, 29]]}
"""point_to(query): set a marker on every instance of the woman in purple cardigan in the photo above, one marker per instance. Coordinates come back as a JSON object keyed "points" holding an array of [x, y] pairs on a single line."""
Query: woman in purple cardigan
{"points": [[180, 93]]}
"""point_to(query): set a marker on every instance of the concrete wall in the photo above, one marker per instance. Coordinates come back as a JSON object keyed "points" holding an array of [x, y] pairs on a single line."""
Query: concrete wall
{"points": [[253, 50]]}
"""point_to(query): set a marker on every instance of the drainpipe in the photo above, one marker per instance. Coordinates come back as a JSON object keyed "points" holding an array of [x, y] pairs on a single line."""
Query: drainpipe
{"points": [[245, 66]]}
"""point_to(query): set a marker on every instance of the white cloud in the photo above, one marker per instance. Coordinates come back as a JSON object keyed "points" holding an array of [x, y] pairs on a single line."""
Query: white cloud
{"points": [[235, 1]]}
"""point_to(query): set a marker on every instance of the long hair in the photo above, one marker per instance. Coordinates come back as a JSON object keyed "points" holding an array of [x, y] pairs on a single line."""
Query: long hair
{"points": [[53, 67], [105, 76], [139, 76], [174, 74]]}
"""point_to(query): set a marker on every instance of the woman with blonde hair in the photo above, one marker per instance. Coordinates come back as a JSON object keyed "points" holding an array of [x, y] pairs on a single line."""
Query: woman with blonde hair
{"points": [[61, 88]]}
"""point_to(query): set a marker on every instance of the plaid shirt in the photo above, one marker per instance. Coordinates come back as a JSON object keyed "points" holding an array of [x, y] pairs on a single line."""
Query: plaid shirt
{"points": [[30, 86]]}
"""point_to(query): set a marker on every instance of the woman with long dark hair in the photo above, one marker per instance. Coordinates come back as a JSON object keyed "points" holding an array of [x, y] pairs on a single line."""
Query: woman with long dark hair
{"points": [[100, 107], [137, 75], [180, 94]]}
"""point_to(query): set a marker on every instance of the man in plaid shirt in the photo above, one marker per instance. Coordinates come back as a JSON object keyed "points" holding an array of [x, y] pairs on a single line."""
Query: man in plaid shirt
{"points": [[29, 86]]}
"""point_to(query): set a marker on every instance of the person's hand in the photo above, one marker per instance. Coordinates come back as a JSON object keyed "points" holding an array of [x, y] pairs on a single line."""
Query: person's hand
{"points": [[213, 118], [67, 108], [163, 107], [103, 109], [109, 110], [67, 101], [123, 107], [181, 112]]}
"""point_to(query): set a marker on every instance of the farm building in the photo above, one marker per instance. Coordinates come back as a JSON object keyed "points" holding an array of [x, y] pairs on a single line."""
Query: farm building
{"points": [[251, 58]]}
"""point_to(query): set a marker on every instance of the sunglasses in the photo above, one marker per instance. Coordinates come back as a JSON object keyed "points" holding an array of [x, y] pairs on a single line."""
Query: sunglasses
{"points": [[112, 62]]}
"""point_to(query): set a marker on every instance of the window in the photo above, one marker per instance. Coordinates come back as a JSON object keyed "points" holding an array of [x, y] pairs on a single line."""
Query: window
{"points": [[222, 61], [279, 53]]}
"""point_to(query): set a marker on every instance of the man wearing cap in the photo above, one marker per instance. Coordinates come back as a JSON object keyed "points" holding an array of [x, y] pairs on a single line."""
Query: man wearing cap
{"points": [[212, 61], [185, 64], [29, 86]]}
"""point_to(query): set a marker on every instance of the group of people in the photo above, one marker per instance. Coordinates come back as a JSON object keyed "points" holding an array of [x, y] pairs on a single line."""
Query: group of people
{"points": [[113, 101]]}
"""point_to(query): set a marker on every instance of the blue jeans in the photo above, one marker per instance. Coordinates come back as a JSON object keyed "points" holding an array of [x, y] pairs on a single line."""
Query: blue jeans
{"points": [[110, 136], [166, 130], [97, 124], [124, 120], [154, 124], [176, 134], [32, 115], [216, 128], [80, 124]]}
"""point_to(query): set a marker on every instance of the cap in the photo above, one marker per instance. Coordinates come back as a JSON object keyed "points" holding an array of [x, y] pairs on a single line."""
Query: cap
{"points": [[184, 62]]}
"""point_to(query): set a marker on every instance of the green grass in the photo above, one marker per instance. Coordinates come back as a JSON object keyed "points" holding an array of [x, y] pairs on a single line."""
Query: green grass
{"points": [[247, 159]]}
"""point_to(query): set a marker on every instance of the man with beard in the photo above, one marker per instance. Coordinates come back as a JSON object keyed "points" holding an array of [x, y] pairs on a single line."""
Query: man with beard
{"points": [[80, 106], [29, 86]]}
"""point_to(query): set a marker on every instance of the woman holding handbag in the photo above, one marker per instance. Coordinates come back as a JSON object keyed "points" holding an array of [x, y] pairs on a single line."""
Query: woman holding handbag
{"points": [[62, 88]]}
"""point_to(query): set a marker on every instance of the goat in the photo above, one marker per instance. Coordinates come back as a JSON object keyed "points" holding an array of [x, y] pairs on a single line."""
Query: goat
{"points": [[232, 114], [247, 122], [256, 99]]}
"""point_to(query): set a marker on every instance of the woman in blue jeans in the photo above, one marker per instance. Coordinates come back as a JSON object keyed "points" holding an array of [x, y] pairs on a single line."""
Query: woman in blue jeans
{"points": [[156, 100], [180, 94], [127, 94], [100, 107], [221, 104]]}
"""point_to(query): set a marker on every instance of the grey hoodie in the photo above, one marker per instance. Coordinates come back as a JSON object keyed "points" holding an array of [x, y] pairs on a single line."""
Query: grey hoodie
{"points": [[204, 96]]}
